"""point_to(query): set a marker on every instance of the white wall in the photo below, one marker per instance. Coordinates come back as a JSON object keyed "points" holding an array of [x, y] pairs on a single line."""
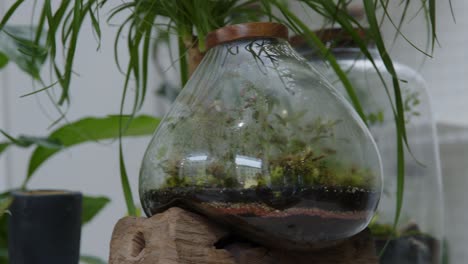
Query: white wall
{"points": [[454, 151]]}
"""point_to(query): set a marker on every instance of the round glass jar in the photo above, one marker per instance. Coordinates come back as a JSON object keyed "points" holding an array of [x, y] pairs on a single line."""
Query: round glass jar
{"points": [[260, 142], [420, 230]]}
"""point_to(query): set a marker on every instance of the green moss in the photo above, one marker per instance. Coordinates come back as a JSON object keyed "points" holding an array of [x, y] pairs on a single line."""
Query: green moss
{"points": [[205, 180], [292, 148], [303, 169], [177, 182], [382, 230], [216, 169], [276, 175], [230, 182], [385, 231], [261, 181], [309, 169]]}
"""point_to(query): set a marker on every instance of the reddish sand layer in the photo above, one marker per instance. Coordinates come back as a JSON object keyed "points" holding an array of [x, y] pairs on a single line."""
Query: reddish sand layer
{"points": [[263, 210]]}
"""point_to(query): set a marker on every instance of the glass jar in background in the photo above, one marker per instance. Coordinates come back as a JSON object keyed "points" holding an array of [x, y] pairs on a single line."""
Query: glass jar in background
{"points": [[259, 141], [420, 229]]}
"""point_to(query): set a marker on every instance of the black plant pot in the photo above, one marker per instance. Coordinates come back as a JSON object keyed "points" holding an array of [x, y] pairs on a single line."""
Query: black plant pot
{"points": [[45, 227]]}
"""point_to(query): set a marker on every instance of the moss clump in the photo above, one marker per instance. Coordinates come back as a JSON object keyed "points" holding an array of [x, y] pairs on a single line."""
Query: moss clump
{"points": [[303, 169], [276, 175], [309, 169], [385, 231], [215, 175], [382, 230]]}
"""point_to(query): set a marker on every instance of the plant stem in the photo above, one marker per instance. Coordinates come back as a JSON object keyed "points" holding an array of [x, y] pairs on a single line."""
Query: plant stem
{"points": [[194, 54], [183, 63]]}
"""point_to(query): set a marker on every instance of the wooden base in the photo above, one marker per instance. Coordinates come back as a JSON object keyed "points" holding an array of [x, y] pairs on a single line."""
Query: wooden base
{"points": [[178, 236]]}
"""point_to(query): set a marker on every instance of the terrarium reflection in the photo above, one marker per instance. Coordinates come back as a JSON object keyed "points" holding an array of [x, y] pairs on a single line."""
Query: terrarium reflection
{"points": [[259, 141], [419, 236]]}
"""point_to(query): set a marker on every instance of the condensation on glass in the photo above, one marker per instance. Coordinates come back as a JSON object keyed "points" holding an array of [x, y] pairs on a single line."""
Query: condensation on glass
{"points": [[420, 229], [259, 141]]}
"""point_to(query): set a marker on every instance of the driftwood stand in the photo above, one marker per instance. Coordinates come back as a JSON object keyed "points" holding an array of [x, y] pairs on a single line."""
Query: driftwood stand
{"points": [[178, 236]]}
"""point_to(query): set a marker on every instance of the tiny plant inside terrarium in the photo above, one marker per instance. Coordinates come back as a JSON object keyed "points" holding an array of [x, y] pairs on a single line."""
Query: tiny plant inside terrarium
{"points": [[260, 142]]}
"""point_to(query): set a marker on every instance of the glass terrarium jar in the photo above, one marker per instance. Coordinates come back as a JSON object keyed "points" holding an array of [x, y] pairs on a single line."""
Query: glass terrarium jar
{"points": [[260, 142], [420, 230]]}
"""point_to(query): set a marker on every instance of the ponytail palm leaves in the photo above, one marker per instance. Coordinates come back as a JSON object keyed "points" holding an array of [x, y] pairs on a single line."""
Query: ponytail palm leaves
{"points": [[190, 20]]}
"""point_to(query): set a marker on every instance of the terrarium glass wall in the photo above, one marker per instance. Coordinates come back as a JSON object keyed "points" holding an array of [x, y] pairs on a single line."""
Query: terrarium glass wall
{"points": [[259, 140], [420, 229]]}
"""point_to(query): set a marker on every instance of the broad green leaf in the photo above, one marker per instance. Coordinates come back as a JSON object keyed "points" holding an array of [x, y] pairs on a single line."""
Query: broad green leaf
{"points": [[84, 259], [3, 255], [5, 204], [3, 60], [3, 147], [92, 206], [90, 130], [17, 42], [4, 197]]}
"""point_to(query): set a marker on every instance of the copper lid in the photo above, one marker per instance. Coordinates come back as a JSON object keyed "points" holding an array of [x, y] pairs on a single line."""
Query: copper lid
{"points": [[246, 31], [336, 37]]}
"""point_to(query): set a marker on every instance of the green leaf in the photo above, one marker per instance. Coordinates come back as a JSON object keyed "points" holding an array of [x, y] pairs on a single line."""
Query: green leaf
{"points": [[432, 19], [10, 12], [5, 201], [92, 206], [3, 60], [18, 43], [125, 183], [399, 114], [312, 39], [91, 260], [3, 147], [40, 90], [90, 130], [26, 141], [445, 252], [42, 142], [77, 20], [95, 23], [398, 30], [184, 75]]}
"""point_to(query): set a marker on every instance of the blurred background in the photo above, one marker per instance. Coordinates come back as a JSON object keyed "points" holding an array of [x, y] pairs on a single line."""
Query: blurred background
{"points": [[93, 168]]}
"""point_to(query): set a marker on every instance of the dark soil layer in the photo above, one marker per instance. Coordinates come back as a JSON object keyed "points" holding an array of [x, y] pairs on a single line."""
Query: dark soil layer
{"points": [[413, 249], [331, 199], [297, 220]]}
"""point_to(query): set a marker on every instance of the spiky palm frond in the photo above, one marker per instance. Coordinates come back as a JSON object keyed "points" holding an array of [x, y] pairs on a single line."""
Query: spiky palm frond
{"points": [[191, 20]]}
